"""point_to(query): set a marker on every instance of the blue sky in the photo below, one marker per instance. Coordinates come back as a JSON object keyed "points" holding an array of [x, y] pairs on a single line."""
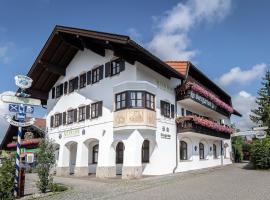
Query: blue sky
{"points": [[217, 35]]}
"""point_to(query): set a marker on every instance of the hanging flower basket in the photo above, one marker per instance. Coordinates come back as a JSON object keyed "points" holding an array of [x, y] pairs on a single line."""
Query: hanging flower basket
{"points": [[202, 91]]}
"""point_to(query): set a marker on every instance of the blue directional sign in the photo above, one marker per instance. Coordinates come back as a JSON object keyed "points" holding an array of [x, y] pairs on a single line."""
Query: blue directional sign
{"points": [[25, 109], [20, 116], [13, 107]]}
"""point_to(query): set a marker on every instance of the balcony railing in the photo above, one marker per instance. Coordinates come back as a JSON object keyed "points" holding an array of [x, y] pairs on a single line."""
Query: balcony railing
{"points": [[204, 97], [204, 126]]}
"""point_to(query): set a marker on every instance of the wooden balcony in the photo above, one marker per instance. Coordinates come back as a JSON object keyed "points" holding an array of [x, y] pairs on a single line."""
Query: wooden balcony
{"points": [[207, 127], [139, 117]]}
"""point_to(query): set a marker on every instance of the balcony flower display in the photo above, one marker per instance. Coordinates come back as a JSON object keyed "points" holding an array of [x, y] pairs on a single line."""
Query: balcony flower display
{"points": [[202, 91], [35, 141], [205, 123]]}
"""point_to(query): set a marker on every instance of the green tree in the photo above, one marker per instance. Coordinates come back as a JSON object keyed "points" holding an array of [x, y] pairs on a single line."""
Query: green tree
{"points": [[7, 175], [261, 114], [260, 153], [237, 146], [45, 162]]}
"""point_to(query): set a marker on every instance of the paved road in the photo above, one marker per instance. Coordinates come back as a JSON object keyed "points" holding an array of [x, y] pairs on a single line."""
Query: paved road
{"points": [[227, 183]]}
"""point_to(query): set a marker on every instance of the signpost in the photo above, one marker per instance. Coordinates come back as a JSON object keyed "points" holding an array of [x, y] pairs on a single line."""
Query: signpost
{"points": [[20, 104]]}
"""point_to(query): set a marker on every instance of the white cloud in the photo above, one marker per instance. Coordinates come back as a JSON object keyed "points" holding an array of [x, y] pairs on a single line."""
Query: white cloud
{"points": [[243, 102], [3, 111], [238, 75], [4, 49], [171, 42], [134, 33]]}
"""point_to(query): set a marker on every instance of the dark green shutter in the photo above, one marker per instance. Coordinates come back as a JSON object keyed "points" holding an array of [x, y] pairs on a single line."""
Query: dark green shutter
{"points": [[122, 65], [60, 119], [172, 111], [88, 112], [61, 87], [162, 105], [52, 120], [65, 87], [76, 83], [75, 115], [100, 108], [101, 72], [88, 77], [107, 69], [53, 92], [64, 118]]}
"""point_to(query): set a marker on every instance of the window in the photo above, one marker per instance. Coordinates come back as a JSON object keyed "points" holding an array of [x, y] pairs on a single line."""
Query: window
{"points": [[183, 150], [215, 150], [120, 153], [72, 116], [97, 74], [58, 119], [82, 80], [96, 109], [182, 112], [114, 67], [73, 85], [136, 99], [150, 101], [59, 91], [52, 122], [201, 150], [95, 154], [120, 100], [145, 151], [165, 109], [53, 92], [82, 113]]}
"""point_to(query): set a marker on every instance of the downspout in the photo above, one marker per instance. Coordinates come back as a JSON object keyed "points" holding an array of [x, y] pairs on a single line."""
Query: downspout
{"points": [[221, 149], [176, 137]]}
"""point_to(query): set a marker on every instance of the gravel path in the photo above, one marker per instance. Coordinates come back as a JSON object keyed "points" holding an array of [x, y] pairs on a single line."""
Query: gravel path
{"points": [[230, 182]]}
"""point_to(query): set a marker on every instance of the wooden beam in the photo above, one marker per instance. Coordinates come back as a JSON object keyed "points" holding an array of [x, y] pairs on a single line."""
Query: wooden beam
{"points": [[38, 94], [92, 46], [74, 42], [59, 70]]}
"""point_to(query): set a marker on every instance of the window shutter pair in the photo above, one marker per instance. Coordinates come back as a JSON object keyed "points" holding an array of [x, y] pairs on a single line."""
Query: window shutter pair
{"points": [[52, 121], [53, 92], [88, 77], [88, 112], [108, 69]]}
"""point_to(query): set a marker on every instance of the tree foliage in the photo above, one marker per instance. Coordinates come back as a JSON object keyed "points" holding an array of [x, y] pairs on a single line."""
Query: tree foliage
{"points": [[237, 146], [260, 153], [7, 175], [45, 162], [261, 114]]}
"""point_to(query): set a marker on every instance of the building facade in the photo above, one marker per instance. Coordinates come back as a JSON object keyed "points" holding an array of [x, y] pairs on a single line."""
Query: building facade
{"points": [[115, 109]]}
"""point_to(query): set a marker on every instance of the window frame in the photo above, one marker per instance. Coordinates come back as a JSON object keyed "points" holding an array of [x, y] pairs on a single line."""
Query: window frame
{"points": [[70, 116], [82, 113], [95, 108], [183, 150], [122, 101], [215, 151], [59, 90], [119, 158], [201, 151], [96, 75], [145, 151], [115, 65], [82, 83], [95, 152]]}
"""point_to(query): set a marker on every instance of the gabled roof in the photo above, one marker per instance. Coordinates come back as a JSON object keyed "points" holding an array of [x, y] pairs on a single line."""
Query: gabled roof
{"points": [[65, 42], [39, 126], [180, 66]]}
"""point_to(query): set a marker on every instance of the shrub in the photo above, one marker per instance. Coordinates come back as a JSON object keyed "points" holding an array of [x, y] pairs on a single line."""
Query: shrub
{"points": [[45, 162], [237, 146], [7, 175], [55, 187], [260, 153]]}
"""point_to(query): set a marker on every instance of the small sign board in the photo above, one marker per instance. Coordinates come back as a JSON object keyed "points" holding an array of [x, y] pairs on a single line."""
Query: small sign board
{"points": [[260, 134], [260, 128], [21, 124], [15, 108], [20, 100], [20, 116]]}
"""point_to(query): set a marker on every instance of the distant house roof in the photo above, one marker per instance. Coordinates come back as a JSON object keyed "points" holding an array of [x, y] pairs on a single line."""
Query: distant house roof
{"points": [[39, 125], [180, 66]]}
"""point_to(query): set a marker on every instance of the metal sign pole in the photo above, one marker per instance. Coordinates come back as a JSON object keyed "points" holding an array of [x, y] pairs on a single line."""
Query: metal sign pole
{"points": [[18, 158]]}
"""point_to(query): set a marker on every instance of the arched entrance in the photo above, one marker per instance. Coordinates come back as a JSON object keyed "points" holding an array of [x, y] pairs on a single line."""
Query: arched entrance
{"points": [[93, 152], [119, 158], [72, 147]]}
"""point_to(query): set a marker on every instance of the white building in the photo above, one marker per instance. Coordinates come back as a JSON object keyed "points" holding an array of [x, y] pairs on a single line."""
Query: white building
{"points": [[114, 108]]}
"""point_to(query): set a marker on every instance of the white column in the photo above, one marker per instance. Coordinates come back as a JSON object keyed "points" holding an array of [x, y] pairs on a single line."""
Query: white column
{"points": [[63, 161], [81, 168]]}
